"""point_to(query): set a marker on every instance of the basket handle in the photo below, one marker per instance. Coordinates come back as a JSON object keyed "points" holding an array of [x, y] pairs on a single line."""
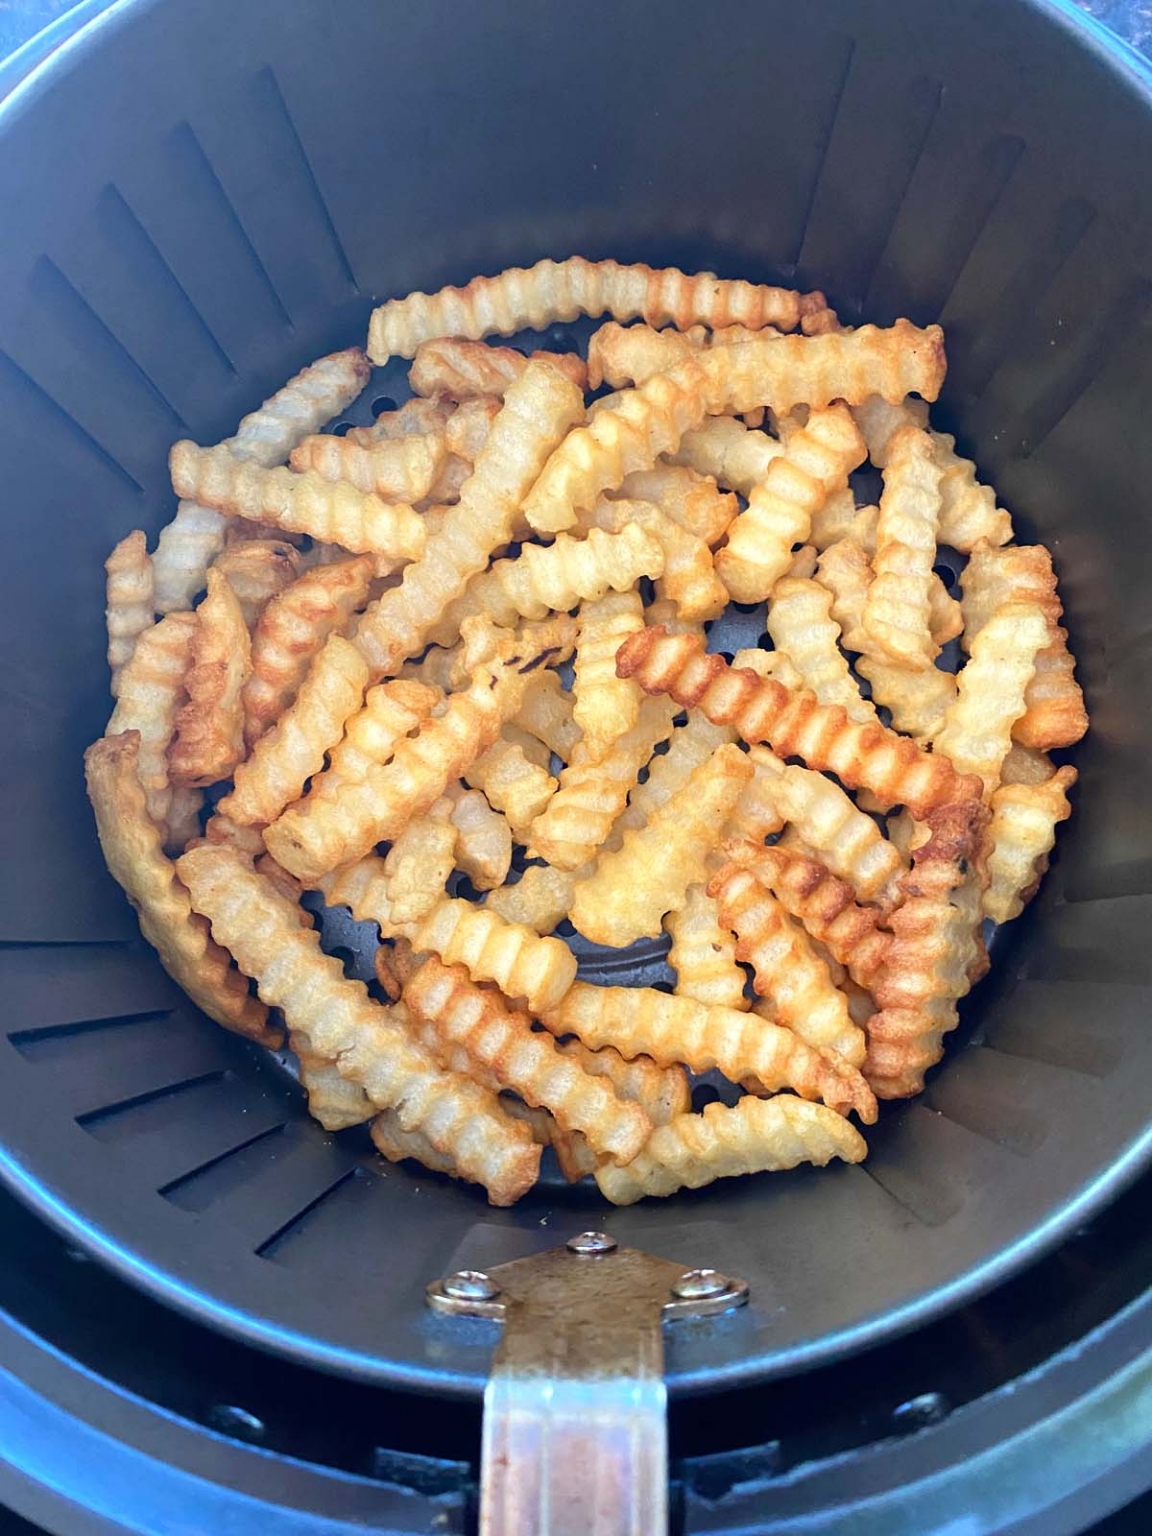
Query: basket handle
{"points": [[575, 1435]]}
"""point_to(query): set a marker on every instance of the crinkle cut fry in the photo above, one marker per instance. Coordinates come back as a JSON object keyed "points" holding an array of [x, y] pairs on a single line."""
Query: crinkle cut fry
{"points": [[639, 1021], [1021, 836], [332, 1100], [552, 291], [398, 469], [519, 961], [896, 617], [369, 1043], [754, 1136], [703, 953], [257, 570], [136, 861], [896, 770], [151, 688], [477, 1020], [469, 370], [209, 736], [130, 600]]}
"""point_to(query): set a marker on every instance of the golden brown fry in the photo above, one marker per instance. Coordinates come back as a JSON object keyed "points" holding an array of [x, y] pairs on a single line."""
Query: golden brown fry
{"points": [[794, 724], [293, 750], [483, 839], [536, 297], [130, 600], [546, 712], [538, 409], [332, 1100], [641, 1021], [845, 570], [397, 469], [151, 687], [800, 625], [303, 503], [728, 452], [703, 953], [977, 730], [689, 746], [512, 784], [257, 570], [810, 892], [621, 355], [936, 952], [519, 961], [606, 706], [467, 370], [1021, 836], [779, 514], [786, 966], [633, 887], [330, 828], [390, 712], [694, 502], [364, 887], [1024, 765], [879, 421], [687, 577], [896, 608], [419, 863], [370, 1044], [474, 1025], [291, 631], [194, 538], [209, 738], [754, 1136], [132, 852], [1054, 715]]}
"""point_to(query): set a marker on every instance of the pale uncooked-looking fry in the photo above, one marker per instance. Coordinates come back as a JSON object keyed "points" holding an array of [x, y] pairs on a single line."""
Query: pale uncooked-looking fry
{"points": [[293, 750], [896, 607], [209, 735], [641, 1021], [936, 952], [990, 691], [332, 1100], [728, 452], [687, 576], [483, 839], [362, 885], [703, 953], [879, 421], [414, 418], [303, 503], [689, 746], [467, 370], [895, 769], [131, 845], [324, 830], [1054, 714], [827, 907], [633, 887], [1024, 765], [816, 461], [546, 713], [540, 899], [419, 863], [800, 625], [606, 706], [520, 962], [786, 967], [538, 409], [621, 355], [474, 1025], [369, 1043], [398, 469], [536, 297], [692, 500], [754, 1136], [1021, 836], [151, 687], [512, 784], [257, 570], [292, 629], [130, 600], [840, 518], [193, 539]]}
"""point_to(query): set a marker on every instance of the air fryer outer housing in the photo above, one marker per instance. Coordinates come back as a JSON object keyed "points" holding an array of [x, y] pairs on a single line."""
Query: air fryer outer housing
{"points": [[202, 197]]}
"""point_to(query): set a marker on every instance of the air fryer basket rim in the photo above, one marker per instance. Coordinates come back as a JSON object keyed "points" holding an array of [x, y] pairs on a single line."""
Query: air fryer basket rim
{"points": [[1127, 72]]}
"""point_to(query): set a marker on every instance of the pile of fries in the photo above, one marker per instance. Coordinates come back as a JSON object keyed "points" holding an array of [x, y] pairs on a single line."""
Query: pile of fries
{"points": [[343, 670]]}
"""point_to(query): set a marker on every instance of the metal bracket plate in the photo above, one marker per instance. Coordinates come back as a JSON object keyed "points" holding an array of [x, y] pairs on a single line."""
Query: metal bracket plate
{"points": [[575, 1439]]}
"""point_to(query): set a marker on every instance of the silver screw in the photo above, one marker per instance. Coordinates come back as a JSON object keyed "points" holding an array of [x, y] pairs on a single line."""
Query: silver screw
{"points": [[470, 1285], [700, 1285], [592, 1243]]}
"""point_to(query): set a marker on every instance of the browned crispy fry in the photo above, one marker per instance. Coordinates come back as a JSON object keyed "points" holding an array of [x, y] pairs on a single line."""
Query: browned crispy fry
{"points": [[519, 961], [257, 569], [151, 688], [398, 468], [936, 952], [827, 907], [303, 503], [754, 1136], [703, 953], [641, 1021], [786, 966], [130, 601], [468, 370], [369, 1043], [209, 738], [1021, 836], [476, 1022], [538, 409], [620, 355], [536, 297], [291, 631], [136, 862], [895, 769]]}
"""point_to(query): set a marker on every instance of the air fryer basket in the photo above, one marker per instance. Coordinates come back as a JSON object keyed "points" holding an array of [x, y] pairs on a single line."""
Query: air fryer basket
{"points": [[200, 197]]}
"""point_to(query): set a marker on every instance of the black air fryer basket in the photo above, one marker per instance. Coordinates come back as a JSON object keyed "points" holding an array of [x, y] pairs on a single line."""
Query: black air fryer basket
{"points": [[200, 197]]}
